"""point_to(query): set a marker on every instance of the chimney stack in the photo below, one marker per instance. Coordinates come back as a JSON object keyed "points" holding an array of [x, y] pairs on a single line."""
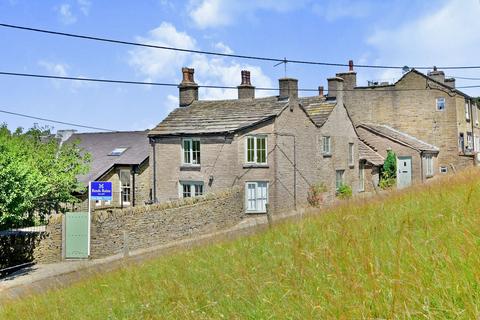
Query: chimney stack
{"points": [[245, 89], [320, 91], [349, 77], [188, 89], [450, 82], [335, 87], [437, 75], [288, 88]]}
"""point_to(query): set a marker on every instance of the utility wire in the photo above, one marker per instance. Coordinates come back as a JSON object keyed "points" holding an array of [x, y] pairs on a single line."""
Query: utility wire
{"points": [[463, 78], [284, 60], [34, 75], [55, 121]]}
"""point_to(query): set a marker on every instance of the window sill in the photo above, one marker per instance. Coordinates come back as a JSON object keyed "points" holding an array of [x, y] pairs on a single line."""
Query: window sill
{"points": [[254, 165], [190, 167], [255, 212], [327, 155], [351, 166]]}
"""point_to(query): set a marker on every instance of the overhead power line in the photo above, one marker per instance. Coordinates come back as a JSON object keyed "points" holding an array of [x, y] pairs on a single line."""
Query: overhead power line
{"points": [[464, 78], [43, 76], [55, 121], [230, 55]]}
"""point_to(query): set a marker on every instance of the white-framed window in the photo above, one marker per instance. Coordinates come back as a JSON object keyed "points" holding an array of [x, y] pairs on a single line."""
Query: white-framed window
{"points": [[326, 145], [440, 102], [469, 141], [256, 196], [351, 150], [443, 169], [467, 111], [256, 149], [428, 165], [339, 175], [190, 189], [476, 143], [476, 114], [125, 186], [191, 151], [361, 177]]}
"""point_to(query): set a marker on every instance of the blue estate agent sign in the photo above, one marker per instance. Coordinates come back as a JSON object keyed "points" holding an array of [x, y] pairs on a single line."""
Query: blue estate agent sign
{"points": [[101, 190]]}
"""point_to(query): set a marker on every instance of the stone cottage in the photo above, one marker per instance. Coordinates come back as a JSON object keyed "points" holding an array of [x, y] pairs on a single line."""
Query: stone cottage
{"points": [[425, 107], [120, 157], [274, 147]]}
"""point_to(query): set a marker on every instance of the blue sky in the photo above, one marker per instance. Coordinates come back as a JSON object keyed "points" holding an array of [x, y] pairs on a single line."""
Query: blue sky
{"points": [[369, 32]]}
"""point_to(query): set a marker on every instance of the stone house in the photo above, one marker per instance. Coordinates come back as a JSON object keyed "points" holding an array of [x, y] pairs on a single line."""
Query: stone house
{"points": [[120, 157], [273, 147], [426, 107], [369, 168]]}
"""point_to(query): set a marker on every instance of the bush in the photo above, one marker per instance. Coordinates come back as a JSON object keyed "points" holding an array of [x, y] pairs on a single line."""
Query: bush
{"points": [[388, 177], [315, 194], [344, 191]]}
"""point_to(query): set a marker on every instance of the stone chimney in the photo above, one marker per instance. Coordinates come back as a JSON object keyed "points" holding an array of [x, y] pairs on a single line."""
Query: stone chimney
{"points": [[188, 89], [288, 88], [350, 77], [320, 91], [450, 82], [335, 87], [245, 89], [437, 75]]}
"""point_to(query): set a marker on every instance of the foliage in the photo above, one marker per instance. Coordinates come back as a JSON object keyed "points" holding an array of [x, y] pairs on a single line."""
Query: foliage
{"points": [[316, 193], [388, 177], [413, 254], [344, 191], [36, 175]]}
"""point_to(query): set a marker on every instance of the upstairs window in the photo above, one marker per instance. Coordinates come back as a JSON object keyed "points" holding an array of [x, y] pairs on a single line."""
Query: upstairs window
{"points": [[326, 145], [351, 154], [190, 189], [191, 151], [440, 104], [467, 111], [256, 149]]}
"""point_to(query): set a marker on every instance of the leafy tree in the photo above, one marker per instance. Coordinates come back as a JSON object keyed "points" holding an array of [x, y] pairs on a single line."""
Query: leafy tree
{"points": [[388, 176], [37, 175]]}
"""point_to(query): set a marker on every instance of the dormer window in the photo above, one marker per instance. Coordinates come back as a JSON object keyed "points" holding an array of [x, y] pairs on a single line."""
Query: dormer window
{"points": [[440, 104], [118, 151]]}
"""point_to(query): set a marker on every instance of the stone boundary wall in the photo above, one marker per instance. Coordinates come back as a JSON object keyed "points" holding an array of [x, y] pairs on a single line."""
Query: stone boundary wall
{"points": [[116, 231]]}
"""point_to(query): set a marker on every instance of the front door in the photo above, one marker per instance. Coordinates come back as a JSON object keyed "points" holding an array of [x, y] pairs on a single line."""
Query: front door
{"points": [[76, 242], [404, 172]]}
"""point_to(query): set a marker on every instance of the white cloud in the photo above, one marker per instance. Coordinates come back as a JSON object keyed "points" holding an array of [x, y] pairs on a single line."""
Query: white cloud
{"points": [[218, 13], [84, 6], [333, 10], [447, 36], [56, 69], [66, 15], [156, 64], [223, 48]]}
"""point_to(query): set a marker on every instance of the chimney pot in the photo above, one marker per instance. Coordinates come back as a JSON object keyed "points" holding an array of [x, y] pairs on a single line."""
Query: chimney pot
{"points": [[245, 89], [350, 65], [246, 78], [320, 91], [188, 89]]}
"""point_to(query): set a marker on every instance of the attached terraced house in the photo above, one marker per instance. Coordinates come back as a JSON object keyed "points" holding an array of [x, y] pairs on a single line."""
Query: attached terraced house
{"points": [[274, 147]]}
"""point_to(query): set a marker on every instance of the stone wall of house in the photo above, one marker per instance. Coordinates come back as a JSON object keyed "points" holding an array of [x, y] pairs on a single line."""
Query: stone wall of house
{"points": [[414, 112], [146, 226]]}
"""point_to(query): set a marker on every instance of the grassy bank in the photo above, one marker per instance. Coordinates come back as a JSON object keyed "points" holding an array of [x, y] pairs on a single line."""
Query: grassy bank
{"points": [[413, 254]]}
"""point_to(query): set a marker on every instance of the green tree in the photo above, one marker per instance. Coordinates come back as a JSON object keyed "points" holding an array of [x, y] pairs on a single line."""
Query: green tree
{"points": [[388, 176], [37, 175]]}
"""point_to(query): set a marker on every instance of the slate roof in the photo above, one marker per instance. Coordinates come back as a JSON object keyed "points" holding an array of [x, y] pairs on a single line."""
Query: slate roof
{"points": [[397, 136], [368, 154], [100, 144], [320, 111]]}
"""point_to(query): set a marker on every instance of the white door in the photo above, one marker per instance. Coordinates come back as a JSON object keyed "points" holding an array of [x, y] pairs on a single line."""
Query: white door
{"points": [[404, 172]]}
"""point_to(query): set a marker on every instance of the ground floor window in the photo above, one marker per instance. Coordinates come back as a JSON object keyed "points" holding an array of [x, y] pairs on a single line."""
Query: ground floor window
{"points": [[189, 189], [125, 186], [339, 174], [256, 196], [361, 177]]}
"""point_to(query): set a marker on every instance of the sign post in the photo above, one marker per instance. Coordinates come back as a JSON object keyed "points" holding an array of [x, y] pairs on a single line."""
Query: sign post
{"points": [[97, 190]]}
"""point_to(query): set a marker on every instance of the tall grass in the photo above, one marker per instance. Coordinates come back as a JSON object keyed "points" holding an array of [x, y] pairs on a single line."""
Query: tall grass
{"points": [[412, 254]]}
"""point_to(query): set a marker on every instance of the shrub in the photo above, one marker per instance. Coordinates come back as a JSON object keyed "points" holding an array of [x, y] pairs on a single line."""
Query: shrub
{"points": [[388, 177], [315, 194], [344, 191]]}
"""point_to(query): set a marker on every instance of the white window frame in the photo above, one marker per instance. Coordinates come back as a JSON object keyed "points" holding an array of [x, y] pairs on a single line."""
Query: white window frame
{"points": [[257, 199], [428, 165], [193, 185], [125, 203], [467, 111], [475, 107], [470, 141], [342, 181], [255, 148], [351, 154], [476, 143], [361, 177], [444, 103], [327, 145], [190, 152]]}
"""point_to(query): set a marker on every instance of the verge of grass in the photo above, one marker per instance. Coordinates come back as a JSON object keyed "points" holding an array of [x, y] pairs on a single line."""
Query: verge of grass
{"points": [[412, 254]]}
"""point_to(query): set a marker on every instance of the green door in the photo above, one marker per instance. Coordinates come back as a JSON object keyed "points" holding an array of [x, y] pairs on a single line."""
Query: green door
{"points": [[76, 234]]}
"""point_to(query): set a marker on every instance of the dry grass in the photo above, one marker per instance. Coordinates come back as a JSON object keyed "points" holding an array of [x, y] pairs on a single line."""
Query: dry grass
{"points": [[414, 254]]}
